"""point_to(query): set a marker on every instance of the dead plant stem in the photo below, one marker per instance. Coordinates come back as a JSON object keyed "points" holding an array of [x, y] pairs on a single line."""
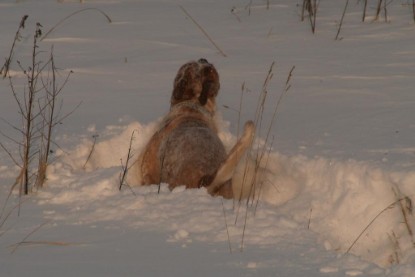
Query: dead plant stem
{"points": [[126, 167], [6, 66], [341, 20], [203, 31], [390, 206], [72, 14], [92, 150]]}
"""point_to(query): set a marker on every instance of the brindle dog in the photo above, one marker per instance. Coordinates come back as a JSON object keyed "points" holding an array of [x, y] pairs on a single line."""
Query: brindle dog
{"points": [[186, 149]]}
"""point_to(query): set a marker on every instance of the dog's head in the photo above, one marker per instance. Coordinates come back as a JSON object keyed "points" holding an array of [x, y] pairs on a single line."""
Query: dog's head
{"points": [[198, 82]]}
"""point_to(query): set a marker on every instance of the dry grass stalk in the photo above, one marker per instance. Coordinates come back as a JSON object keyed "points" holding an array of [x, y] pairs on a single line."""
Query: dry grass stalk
{"points": [[303, 9], [203, 31], [72, 14], [233, 11], [6, 66], [126, 167], [37, 106], [50, 118], [406, 208], [258, 123], [4, 216], [95, 137], [41, 242], [390, 206], [364, 10], [248, 7], [226, 226], [264, 150], [265, 146], [30, 114], [341, 20], [382, 5], [238, 111], [378, 9], [311, 7], [309, 219], [24, 240], [397, 252], [413, 9]]}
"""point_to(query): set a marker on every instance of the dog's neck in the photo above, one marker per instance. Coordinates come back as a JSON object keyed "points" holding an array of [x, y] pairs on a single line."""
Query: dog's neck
{"points": [[194, 106]]}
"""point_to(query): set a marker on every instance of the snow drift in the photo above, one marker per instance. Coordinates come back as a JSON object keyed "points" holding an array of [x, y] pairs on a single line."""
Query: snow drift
{"points": [[351, 205]]}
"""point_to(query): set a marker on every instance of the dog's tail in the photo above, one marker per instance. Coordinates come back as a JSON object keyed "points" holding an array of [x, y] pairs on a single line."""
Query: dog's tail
{"points": [[227, 169]]}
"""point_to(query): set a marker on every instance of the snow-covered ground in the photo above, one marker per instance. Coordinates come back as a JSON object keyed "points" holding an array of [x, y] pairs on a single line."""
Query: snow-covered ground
{"points": [[342, 152]]}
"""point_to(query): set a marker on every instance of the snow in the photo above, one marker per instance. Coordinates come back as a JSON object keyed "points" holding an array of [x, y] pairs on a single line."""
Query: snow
{"points": [[342, 150]]}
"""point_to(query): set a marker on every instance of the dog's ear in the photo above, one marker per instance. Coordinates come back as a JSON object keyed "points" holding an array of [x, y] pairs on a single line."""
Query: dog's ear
{"points": [[179, 89], [210, 89], [187, 85], [210, 85], [205, 94]]}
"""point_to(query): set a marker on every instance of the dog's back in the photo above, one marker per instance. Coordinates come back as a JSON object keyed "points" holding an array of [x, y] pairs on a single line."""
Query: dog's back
{"points": [[186, 149], [191, 154]]}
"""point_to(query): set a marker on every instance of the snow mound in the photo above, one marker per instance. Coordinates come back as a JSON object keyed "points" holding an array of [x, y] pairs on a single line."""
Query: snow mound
{"points": [[352, 206]]}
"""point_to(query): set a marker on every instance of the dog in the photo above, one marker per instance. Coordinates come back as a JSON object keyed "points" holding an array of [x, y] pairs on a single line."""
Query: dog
{"points": [[186, 149]]}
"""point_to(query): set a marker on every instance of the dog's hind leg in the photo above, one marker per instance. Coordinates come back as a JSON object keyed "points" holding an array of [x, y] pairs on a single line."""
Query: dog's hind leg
{"points": [[227, 169]]}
